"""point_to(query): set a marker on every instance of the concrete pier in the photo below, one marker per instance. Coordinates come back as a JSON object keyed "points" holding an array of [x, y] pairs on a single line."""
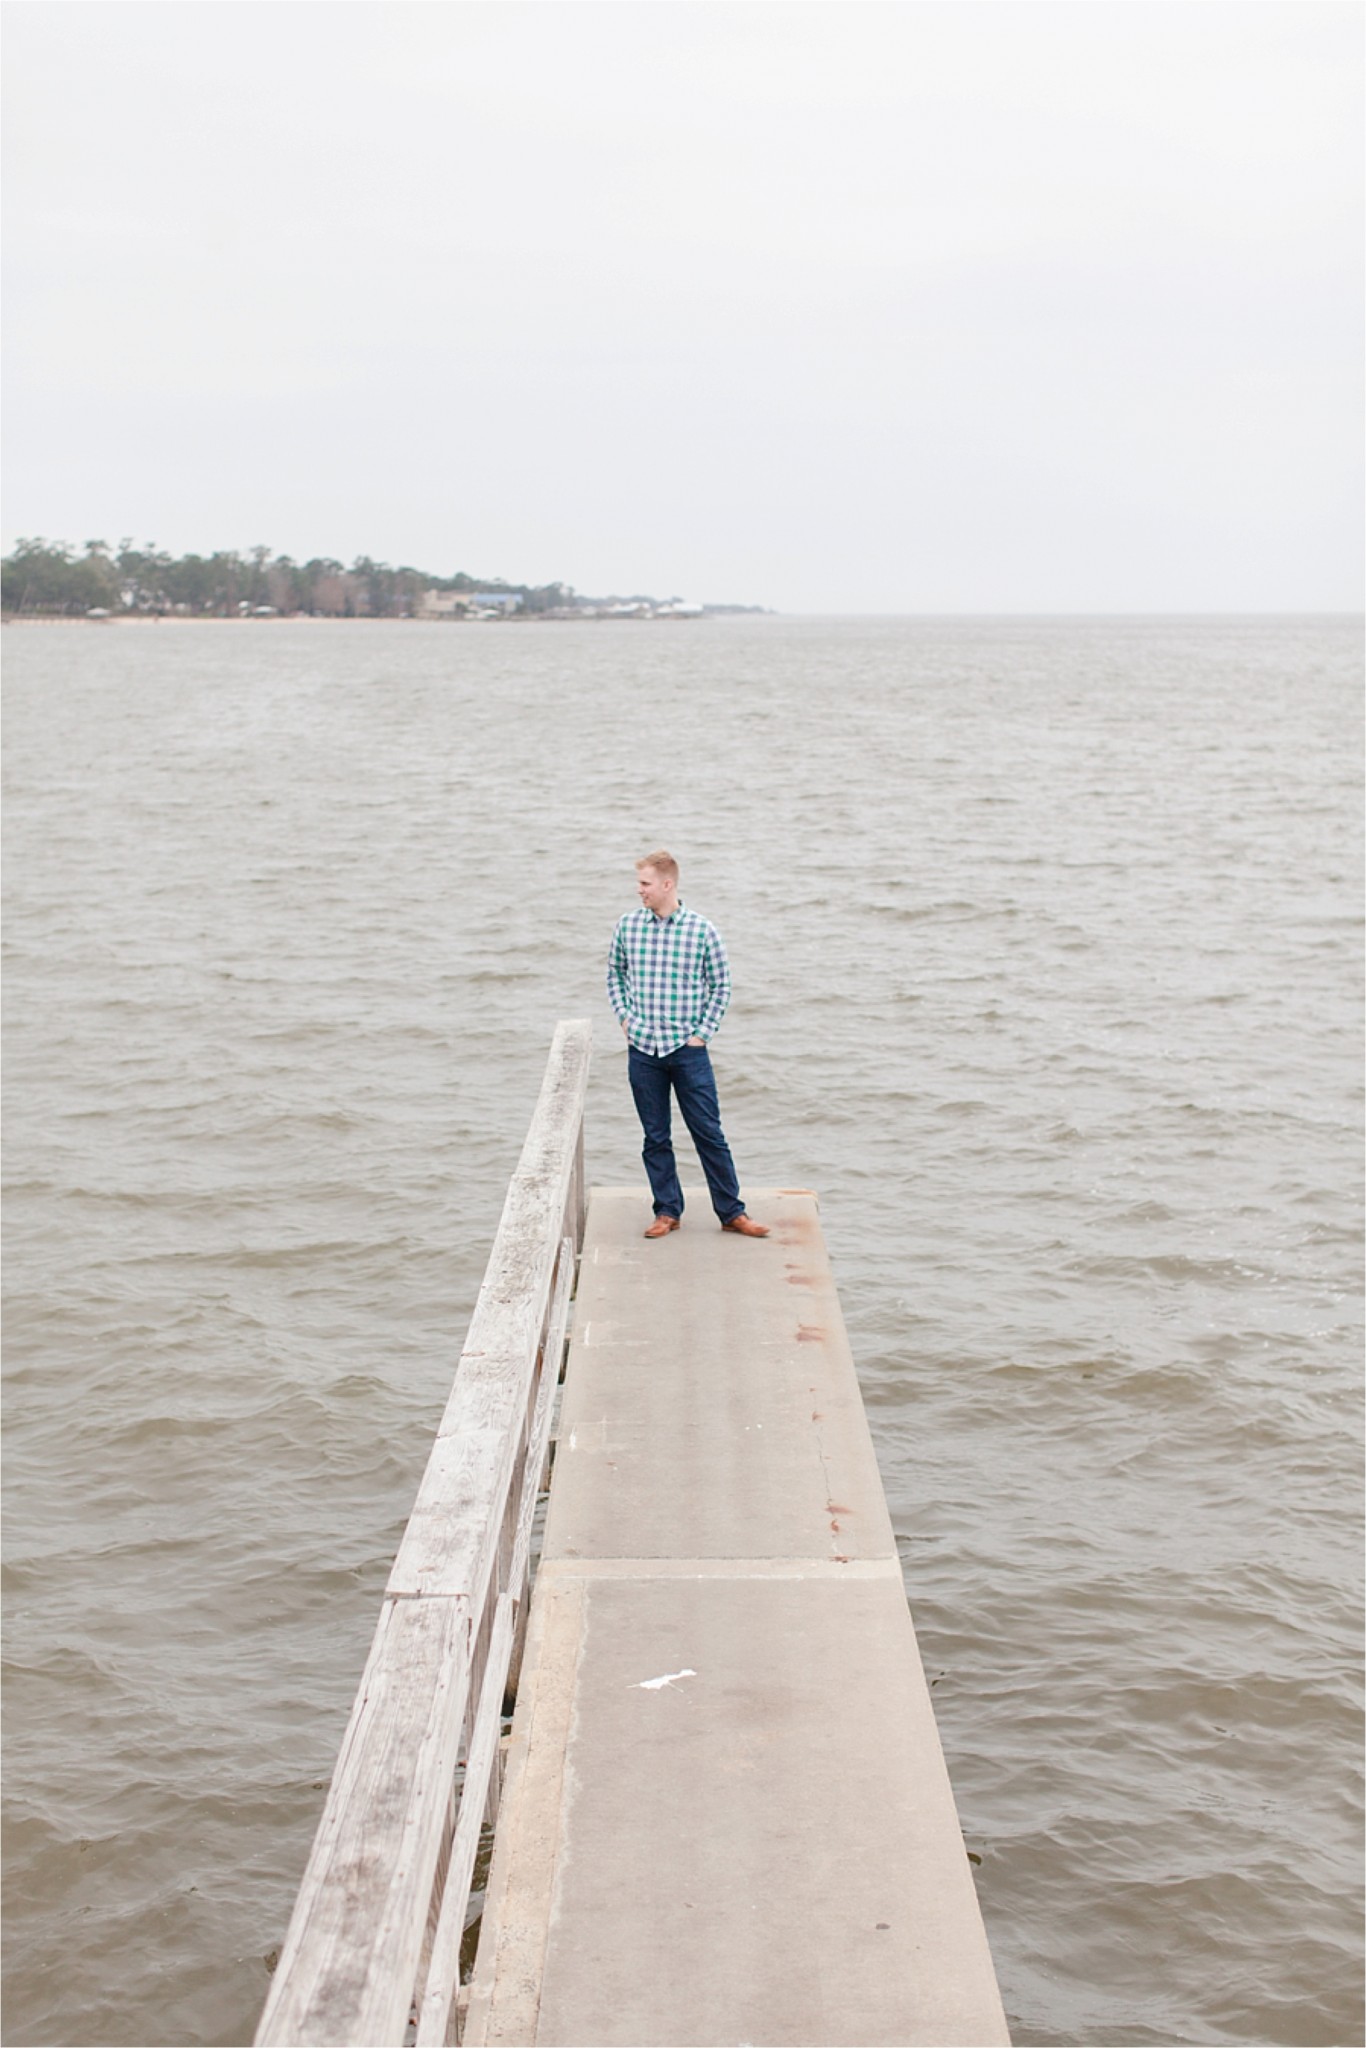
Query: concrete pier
{"points": [[726, 1817]]}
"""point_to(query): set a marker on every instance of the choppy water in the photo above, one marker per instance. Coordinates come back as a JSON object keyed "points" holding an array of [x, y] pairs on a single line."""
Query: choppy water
{"points": [[1046, 940]]}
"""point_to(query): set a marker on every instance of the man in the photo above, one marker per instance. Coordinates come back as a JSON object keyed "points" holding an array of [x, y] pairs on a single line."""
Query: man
{"points": [[669, 984]]}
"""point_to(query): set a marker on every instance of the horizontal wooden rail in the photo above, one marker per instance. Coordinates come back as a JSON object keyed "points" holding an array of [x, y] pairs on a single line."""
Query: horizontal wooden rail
{"points": [[375, 1934]]}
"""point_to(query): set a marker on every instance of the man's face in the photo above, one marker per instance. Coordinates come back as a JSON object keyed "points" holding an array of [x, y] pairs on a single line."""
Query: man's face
{"points": [[656, 891]]}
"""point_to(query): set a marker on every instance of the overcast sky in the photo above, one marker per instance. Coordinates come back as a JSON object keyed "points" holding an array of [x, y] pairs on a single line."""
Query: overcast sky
{"points": [[885, 307]]}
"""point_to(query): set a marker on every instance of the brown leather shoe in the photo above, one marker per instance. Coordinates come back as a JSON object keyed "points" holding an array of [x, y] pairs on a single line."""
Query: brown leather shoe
{"points": [[745, 1226], [661, 1226]]}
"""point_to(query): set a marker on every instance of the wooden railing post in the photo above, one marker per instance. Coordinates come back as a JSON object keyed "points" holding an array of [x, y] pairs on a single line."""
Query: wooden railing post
{"points": [[377, 1925]]}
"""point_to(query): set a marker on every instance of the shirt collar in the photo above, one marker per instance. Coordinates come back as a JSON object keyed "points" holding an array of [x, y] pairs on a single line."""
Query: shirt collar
{"points": [[673, 916]]}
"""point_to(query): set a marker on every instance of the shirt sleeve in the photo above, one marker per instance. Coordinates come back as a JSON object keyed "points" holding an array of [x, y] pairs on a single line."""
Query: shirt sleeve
{"points": [[617, 967], [716, 974]]}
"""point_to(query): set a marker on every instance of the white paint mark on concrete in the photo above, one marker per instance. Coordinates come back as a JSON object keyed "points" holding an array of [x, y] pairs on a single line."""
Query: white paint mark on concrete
{"points": [[669, 1678], [573, 1439]]}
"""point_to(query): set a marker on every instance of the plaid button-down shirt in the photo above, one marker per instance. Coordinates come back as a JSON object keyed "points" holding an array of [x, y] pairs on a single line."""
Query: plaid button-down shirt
{"points": [[667, 978]]}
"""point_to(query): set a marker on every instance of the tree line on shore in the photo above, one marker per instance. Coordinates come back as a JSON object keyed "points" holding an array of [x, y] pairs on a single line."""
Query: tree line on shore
{"points": [[56, 579]]}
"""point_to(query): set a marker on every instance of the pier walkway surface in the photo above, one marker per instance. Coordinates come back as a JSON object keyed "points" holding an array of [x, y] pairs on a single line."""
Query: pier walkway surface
{"points": [[726, 1816]]}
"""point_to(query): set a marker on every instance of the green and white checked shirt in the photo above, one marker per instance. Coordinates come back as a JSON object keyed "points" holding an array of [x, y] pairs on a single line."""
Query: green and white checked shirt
{"points": [[667, 978]]}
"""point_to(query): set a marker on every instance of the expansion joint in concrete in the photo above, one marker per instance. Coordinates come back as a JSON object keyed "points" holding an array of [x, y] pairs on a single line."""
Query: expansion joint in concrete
{"points": [[553, 1568]]}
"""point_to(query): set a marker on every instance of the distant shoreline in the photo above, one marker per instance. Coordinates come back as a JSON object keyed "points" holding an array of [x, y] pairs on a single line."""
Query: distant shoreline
{"points": [[133, 618], [50, 579]]}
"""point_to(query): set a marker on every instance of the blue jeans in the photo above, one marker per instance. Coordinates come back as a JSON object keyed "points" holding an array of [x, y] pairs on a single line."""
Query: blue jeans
{"points": [[687, 1071]]}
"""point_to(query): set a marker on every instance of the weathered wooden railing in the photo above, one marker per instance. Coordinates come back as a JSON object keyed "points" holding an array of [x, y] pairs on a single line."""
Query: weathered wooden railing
{"points": [[377, 1926]]}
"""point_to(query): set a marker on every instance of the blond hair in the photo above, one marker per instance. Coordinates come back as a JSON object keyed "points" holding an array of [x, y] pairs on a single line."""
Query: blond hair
{"points": [[663, 864]]}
